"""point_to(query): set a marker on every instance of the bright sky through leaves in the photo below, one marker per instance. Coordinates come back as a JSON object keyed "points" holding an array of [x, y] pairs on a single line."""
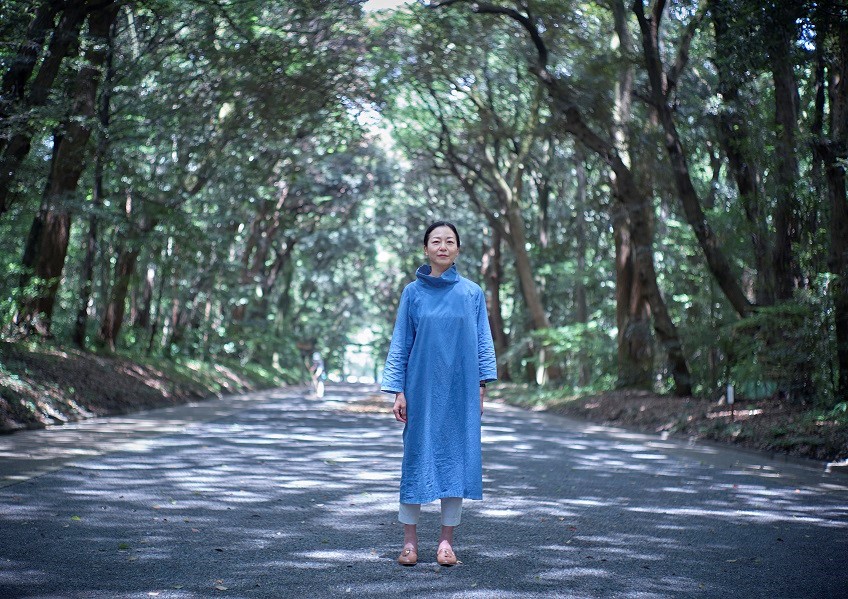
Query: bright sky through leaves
{"points": [[381, 4]]}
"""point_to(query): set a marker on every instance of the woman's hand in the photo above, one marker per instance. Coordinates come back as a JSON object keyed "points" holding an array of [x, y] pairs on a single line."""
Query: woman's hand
{"points": [[399, 409], [482, 397]]}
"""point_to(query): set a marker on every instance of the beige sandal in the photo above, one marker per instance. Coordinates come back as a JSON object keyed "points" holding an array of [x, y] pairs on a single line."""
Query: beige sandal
{"points": [[446, 557], [408, 557]]}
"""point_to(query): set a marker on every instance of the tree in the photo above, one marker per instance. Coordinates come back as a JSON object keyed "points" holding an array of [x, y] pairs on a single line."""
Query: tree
{"points": [[571, 120], [47, 244]]}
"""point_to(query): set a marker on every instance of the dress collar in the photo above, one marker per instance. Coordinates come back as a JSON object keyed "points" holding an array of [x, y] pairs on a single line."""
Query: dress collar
{"points": [[449, 277]]}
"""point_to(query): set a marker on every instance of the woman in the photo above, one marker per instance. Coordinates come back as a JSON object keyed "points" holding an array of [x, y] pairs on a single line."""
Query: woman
{"points": [[439, 361]]}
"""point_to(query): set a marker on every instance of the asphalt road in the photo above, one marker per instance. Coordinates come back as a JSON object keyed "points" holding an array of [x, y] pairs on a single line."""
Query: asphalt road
{"points": [[277, 495]]}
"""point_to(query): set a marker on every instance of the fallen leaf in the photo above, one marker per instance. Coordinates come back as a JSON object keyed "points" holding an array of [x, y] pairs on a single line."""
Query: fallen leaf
{"points": [[76, 518], [221, 587]]}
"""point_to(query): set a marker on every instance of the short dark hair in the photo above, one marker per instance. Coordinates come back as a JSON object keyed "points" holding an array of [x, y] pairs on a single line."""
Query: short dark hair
{"points": [[436, 225]]}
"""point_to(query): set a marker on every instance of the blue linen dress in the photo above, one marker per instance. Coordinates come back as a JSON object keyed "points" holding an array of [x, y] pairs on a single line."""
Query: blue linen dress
{"points": [[441, 350]]}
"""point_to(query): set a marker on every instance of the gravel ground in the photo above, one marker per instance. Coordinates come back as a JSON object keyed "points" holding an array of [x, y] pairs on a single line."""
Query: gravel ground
{"points": [[278, 495]]}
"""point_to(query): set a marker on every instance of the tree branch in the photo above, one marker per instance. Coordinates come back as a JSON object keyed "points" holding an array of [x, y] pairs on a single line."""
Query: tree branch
{"points": [[524, 20], [683, 47]]}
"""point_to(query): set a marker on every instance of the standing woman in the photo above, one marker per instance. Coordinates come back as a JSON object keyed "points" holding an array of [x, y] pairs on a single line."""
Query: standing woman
{"points": [[439, 361]]}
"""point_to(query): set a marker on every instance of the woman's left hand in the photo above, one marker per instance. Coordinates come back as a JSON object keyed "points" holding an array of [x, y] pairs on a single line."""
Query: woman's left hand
{"points": [[399, 409], [482, 397]]}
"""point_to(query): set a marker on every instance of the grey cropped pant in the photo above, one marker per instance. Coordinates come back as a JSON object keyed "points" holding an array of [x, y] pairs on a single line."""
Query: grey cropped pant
{"points": [[451, 511]]}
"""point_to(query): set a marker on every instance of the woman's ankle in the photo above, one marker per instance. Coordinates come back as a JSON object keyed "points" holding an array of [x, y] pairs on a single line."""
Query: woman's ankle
{"points": [[410, 536], [446, 536]]}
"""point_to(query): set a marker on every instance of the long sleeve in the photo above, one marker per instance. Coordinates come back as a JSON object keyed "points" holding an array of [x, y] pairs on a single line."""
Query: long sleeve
{"points": [[394, 372], [485, 346]]}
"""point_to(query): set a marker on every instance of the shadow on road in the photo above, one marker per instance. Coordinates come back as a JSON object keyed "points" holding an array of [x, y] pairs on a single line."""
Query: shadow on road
{"points": [[297, 498]]}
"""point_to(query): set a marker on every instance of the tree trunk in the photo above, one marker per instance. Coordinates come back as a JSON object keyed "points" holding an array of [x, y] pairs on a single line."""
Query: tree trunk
{"points": [[781, 38], [145, 302], [716, 260], [64, 42], [157, 314], [584, 375], [51, 228], [125, 265], [571, 120], [492, 271], [736, 142], [635, 343], [87, 274], [524, 268], [833, 151], [113, 316], [266, 223], [22, 66], [179, 318]]}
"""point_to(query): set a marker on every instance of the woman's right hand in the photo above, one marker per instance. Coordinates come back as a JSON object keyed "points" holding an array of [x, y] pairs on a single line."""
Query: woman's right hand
{"points": [[399, 408]]}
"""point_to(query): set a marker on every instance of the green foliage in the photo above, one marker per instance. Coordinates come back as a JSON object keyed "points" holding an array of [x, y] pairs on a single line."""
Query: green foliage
{"points": [[273, 164], [582, 345], [779, 349]]}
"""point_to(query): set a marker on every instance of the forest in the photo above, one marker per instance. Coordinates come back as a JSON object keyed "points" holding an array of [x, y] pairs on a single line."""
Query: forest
{"points": [[652, 194]]}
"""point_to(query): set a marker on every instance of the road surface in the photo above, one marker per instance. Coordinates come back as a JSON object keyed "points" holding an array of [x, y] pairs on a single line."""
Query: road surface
{"points": [[278, 495]]}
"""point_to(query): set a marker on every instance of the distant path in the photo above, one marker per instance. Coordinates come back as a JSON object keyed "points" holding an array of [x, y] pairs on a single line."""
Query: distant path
{"points": [[276, 495]]}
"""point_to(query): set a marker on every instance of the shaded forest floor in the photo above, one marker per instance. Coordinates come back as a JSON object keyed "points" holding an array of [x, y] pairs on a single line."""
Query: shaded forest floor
{"points": [[770, 425], [41, 386]]}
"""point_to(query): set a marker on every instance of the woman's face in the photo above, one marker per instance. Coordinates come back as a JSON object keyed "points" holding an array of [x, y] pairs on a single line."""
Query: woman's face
{"points": [[442, 248]]}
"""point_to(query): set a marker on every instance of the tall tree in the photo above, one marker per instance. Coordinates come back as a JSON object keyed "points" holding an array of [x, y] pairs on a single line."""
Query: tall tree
{"points": [[780, 21], [738, 142], [23, 94], [570, 119], [47, 244], [831, 149], [662, 85]]}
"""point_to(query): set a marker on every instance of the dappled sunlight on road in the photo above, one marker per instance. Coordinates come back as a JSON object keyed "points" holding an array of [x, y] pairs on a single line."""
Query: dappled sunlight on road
{"points": [[301, 494]]}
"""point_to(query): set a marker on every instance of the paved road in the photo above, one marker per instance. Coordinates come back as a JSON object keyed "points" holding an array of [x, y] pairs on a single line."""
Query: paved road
{"points": [[276, 495]]}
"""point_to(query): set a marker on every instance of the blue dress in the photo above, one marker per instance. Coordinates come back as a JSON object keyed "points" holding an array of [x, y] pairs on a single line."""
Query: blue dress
{"points": [[441, 350]]}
